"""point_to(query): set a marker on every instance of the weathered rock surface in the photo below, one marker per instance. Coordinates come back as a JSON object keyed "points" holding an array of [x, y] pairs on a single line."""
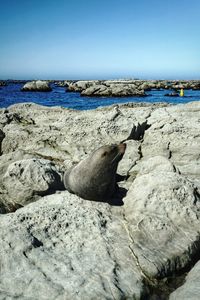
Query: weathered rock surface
{"points": [[37, 86], [162, 209], [61, 246], [78, 86], [28, 179], [113, 90], [67, 248], [126, 88], [191, 288], [3, 83]]}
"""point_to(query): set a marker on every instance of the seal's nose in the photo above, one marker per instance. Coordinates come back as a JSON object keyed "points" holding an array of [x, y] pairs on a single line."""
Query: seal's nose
{"points": [[122, 148]]}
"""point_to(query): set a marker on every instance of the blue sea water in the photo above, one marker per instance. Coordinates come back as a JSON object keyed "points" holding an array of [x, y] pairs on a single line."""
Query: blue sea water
{"points": [[11, 94]]}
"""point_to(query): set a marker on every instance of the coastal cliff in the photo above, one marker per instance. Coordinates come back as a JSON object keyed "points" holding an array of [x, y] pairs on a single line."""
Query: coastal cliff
{"points": [[55, 245]]}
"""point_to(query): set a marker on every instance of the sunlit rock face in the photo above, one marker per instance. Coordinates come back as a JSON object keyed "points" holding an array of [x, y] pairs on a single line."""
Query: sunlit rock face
{"points": [[56, 245]]}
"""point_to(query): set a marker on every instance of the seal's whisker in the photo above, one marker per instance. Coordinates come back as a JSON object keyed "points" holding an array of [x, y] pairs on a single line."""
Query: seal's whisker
{"points": [[114, 159]]}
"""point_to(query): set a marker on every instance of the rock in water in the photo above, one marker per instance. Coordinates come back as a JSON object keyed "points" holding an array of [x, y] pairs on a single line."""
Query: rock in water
{"points": [[95, 177], [37, 86]]}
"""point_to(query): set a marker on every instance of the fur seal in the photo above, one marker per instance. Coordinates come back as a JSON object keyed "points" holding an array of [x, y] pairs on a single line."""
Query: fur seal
{"points": [[94, 178]]}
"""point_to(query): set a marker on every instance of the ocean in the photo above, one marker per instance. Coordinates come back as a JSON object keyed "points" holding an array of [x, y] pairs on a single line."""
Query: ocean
{"points": [[11, 94]]}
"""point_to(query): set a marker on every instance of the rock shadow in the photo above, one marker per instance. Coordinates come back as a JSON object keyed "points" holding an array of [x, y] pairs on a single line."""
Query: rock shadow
{"points": [[137, 132], [117, 199]]}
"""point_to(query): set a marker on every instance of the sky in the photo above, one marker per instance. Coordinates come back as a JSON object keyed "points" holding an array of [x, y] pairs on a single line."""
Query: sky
{"points": [[93, 39]]}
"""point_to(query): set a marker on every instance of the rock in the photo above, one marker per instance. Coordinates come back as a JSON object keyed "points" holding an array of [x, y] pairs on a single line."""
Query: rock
{"points": [[196, 85], [64, 247], [107, 88], [96, 90], [158, 164], [36, 86], [2, 135], [173, 134], [81, 85], [162, 209], [130, 157], [3, 83], [172, 95], [191, 288], [112, 91], [62, 134], [145, 86], [30, 179], [124, 88], [63, 83], [67, 248]]}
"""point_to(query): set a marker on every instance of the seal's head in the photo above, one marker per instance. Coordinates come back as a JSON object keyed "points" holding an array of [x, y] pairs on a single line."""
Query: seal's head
{"points": [[107, 156], [95, 177]]}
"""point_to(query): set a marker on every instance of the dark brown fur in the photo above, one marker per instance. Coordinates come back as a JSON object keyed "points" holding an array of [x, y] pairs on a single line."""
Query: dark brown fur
{"points": [[94, 178]]}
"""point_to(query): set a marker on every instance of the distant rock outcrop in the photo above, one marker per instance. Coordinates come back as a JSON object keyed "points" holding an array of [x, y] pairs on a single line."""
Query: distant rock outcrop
{"points": [[3, 83], [105, 89], [79, 86], [127, 88], [113, 91], [37, 86]]}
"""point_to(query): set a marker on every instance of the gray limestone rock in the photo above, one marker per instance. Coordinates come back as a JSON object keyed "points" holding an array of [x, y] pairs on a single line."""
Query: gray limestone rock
{"points": [[113, 90], [162, 209], [174, 133], [190, 290], [146, 85], [2, 135], [3, 83], [28, 179], [80, 85], [67, 248], [37, 86]]}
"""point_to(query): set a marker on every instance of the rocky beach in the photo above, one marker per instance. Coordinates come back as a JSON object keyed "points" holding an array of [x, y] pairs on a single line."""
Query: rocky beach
{"points": [[56, 245]]}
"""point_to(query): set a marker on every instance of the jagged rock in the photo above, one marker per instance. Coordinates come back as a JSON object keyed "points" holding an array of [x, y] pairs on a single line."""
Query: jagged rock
{"points": [[158, 164], [67, 248], [162, 209], [174, 134], [63, 83], [196, 86], [114, 90], [3, 83], [2, 135], [37, 86], [97, 89], [65, 134], [190, 290], [154, 235], [29, 179], [125, 88], [130, 157], [81, 85]]}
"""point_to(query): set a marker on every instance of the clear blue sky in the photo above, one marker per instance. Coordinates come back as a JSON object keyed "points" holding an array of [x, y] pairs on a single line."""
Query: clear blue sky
{"points": [[91, 39]]}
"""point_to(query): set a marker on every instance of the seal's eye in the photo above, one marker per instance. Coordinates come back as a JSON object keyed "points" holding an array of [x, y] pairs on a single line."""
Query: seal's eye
{"points": [[113, 149], [104, 154]]}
